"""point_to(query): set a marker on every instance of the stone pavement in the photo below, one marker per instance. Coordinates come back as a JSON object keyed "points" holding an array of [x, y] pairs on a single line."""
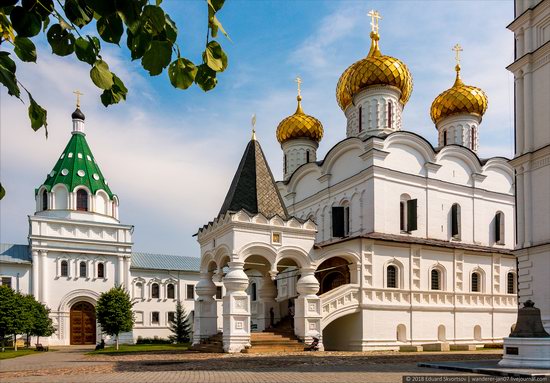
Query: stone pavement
{"points": [[68, 366], [64, 357]]}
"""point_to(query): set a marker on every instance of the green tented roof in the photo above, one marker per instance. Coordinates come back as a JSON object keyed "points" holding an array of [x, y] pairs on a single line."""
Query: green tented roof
{"points": [[76, 167]]}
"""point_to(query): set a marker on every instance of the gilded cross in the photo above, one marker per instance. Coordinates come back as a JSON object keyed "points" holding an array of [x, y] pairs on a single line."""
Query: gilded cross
{"points": [[299, 82], [457, 48], [254, 126], [375, 17], [78, 94]]}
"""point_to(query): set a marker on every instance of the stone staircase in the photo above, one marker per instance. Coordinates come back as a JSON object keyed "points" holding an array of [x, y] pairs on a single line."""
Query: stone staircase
{"points": [[281, 338], [214, 344]]}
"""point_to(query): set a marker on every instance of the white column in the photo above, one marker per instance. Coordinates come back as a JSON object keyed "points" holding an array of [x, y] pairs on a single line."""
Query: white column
{"points": [[528, 110], [43, 277], [127, 270], [206, 309], [520, 122], [236, 309], [307, 317], [120, 270], [528, 204], [520, 214], [35, 274], [267, 295]]}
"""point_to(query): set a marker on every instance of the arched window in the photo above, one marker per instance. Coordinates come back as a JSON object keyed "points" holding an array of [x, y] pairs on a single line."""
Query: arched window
{"points": [[511, 283], [284, 163], [391, 276], [455, 221], [253, 292], [170, 291], [477, 333], [444, 138], [83, 270], [64, 268], [307, 156], [139, 290], [155, 291], [360, 119], [476, 282], [390, 116], [499, 228], [44, 200], [435, 280], [401, 333], [81, 200], [101, 270], [473, 138], [408, 220]]}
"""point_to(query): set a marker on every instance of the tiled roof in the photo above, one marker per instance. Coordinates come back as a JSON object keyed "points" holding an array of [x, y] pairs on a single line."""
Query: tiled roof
{"points": [[14, 253], [165, 262], [20, 254]]}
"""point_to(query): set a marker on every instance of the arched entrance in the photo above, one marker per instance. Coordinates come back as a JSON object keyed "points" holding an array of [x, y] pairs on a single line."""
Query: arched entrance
{"points": [[332, 273], [83, 324]]}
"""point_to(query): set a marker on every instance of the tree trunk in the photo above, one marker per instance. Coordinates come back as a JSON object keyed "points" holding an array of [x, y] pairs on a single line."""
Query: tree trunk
{"points": [[15, 342], [37, 339], [3, 344], [116, 341]]}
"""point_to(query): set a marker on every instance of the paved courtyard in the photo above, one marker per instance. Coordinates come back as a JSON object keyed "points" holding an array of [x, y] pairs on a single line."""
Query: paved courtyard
{"points": [[73, 365]]}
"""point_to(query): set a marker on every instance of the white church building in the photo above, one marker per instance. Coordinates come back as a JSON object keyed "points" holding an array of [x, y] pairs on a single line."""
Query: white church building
{"points": [[386, 241]]}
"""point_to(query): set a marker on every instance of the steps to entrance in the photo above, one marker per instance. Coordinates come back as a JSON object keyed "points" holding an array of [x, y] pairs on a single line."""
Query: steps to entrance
{"points": [[214, 344], [271, 342]]}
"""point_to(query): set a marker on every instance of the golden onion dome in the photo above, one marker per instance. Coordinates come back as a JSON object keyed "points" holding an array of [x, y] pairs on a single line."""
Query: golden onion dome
{"points": [[299, 125], [375, 69], [460, 98]]}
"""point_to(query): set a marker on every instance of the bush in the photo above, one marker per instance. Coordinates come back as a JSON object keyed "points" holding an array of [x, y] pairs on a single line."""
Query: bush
{"points": [[154, 340]]}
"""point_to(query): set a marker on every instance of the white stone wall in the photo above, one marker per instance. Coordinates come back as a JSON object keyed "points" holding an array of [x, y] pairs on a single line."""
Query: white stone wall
{"points": [[20, 274], [295, 154]]}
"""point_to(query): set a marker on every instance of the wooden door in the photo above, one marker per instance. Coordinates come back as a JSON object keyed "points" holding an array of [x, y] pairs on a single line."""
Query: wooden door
{"points": [[83, 325]]}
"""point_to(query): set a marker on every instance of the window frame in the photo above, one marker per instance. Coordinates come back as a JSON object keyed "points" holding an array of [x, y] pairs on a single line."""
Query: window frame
{"points": [[477, 283], [81, 203], [456, 218], [170, 294], [6, 278], [155, 290], [220, 290], [82, 265], [100, 270], [168, 314], [499, 228], [511, 283], [187, 292], [395, 276], [44, 200], [153, 322], [439, 279], [66, 273]]}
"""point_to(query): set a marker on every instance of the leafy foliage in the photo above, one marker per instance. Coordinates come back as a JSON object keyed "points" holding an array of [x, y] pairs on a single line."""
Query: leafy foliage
{"points": [[151, 35], [181, 326], [114, 312]]}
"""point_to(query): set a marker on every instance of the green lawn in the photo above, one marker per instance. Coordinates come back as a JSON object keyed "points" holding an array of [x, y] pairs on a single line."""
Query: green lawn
{"points": [[131, 348], [10, 353]]}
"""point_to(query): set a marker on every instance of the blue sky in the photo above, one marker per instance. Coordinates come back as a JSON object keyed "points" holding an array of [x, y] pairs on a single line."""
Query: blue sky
{"points": [[170, 155]]}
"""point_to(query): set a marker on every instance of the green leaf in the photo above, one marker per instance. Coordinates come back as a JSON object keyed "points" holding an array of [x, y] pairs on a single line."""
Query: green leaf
{"points": [[25, 23], [110, 28], [215, 25], [215, 57], [158, 2], [38, 115], [216, 5], [182, 73], [25, 49], [138, 43], [129, 11], [101, 75], [153, 19], [2, 191], [116, 94], [102, 7], [86, 49], [43, 8], [206, 78], [170, 29], [78, 12], [157, 57], [7, 74], [61, 40]]}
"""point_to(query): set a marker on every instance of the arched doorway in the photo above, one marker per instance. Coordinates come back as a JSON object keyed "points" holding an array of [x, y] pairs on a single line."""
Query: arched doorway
{"points": [[83, 325], [332, 273]]}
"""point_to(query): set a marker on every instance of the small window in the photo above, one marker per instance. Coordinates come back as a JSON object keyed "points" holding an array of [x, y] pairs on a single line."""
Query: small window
{"points": [[155, 317], [473, 138], [436, 279], [408, 220], [499, 228], [101, 270], [253, 292], [284, 163], [6, 281], [338, 221], [138, 315], [476, 282], [219, 292], [190, 292], [83, 270], [455, 221], [139, 290], [307, 156], [171, 317], [360, 119], [81, 200], [64, 268], [444, 138], [511, 283], [44, 200], [170, 291], [390, 122], [391, 276], [155, 291]]}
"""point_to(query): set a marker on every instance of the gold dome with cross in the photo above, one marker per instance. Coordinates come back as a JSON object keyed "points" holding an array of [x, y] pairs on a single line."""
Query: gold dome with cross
{"points": [[460, 98], [299, 125], [375, 69]]}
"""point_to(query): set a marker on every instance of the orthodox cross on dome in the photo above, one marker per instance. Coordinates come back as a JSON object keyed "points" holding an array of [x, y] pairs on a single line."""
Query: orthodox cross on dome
{"points": [[457, 48], [375, 17], [299, 82], [78, 94], [254, 127]]}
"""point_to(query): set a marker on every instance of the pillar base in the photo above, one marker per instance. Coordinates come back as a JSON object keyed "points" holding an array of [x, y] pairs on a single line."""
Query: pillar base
{"points": [[526, 353]]}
